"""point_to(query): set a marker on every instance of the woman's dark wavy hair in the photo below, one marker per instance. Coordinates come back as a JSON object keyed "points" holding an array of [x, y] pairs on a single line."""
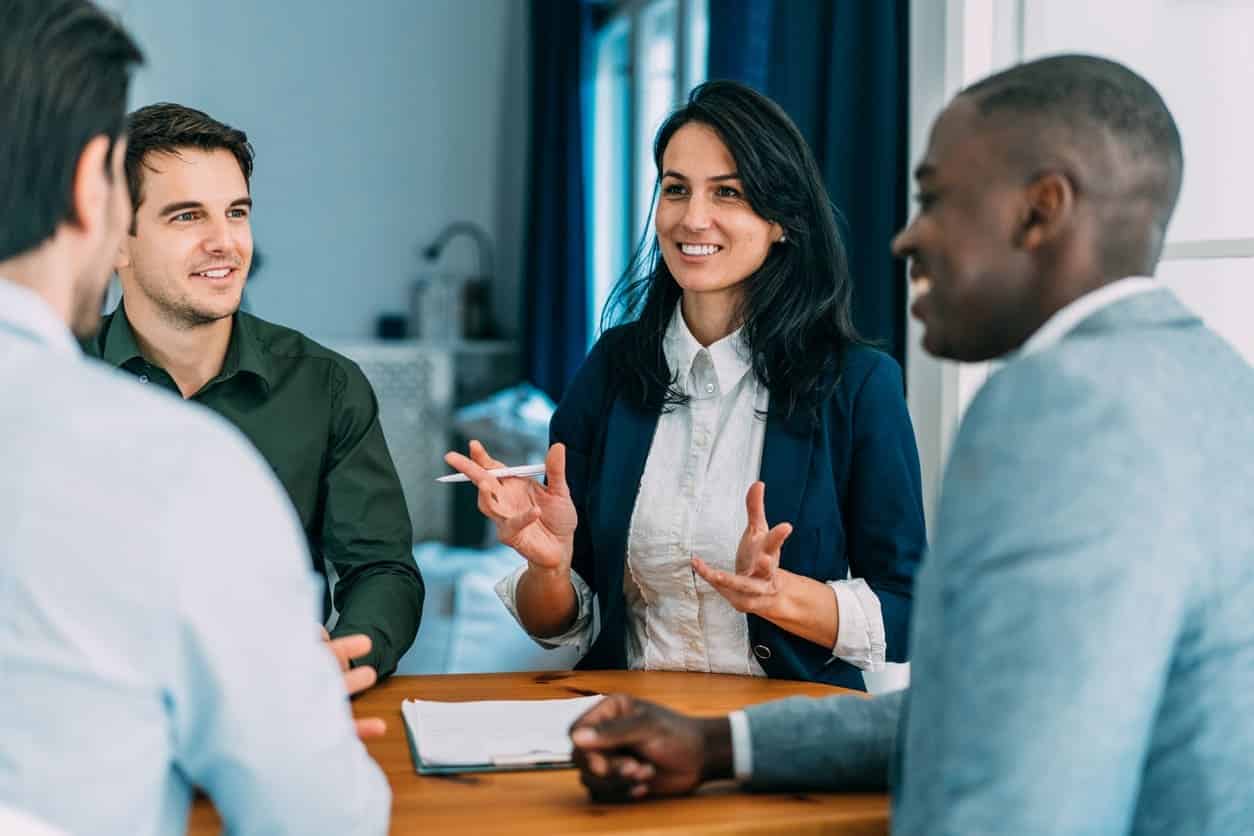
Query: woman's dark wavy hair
{"points": [[796, 309]]}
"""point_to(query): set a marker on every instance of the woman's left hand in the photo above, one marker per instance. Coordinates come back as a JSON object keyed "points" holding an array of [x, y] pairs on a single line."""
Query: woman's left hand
{"points": [[754, 588]]}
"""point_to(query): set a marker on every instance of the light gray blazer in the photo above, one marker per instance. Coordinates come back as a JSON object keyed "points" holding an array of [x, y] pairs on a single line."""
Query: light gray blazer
{"points": [[1083, 636]]}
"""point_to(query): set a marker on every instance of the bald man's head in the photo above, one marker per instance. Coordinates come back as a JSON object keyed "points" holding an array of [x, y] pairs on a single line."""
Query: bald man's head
{"points": [[1038, 185], [1106, 128]]}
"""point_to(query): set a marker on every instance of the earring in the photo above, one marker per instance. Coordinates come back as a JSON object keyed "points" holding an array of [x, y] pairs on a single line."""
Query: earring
{"points": [[783, 238]]}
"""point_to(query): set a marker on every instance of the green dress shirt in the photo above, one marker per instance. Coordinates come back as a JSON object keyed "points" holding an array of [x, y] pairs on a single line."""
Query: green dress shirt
{"points": [[313, 416]]}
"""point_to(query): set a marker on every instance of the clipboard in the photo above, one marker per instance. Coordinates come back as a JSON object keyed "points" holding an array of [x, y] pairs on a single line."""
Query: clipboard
{"points": [[491, 735]]}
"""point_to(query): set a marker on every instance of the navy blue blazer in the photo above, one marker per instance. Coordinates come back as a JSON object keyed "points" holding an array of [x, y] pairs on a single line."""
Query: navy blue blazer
{"points": [[850, 486]]}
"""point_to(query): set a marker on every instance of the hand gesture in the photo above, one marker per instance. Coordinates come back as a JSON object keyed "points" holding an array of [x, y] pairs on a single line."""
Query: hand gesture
{"points": [[754, 587], [627, 749], [358, 679], [537, 521]]}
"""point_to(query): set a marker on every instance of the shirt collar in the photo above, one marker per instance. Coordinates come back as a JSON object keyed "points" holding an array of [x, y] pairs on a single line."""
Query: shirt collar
{"points": [[243, 353], [24, 312], [1078, 310], [729, 356]]}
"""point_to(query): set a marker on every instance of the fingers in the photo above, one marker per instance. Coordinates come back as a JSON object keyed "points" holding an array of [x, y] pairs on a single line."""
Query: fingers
{"points": [[614, 733], [617, 765], [755, 506], [348, 648], [359, 679], [614, 777], [555, 470], [489, 504], [730, 585], [612, 790], [775, 539], [326, 637], [507, 531], [615, 722], [479, 454], [370, 727], [472, 471], [615, 705]]}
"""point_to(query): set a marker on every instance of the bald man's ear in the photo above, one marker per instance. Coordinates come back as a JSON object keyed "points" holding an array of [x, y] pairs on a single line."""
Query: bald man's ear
{"points": [[1048, 210]]}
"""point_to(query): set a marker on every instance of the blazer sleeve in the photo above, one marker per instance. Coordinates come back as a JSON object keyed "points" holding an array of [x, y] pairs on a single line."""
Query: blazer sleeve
{"points": [[883, 509], [831, 743]]}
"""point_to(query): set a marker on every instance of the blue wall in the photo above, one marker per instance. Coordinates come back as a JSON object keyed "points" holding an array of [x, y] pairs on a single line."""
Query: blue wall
{"points": [[374, 123]]}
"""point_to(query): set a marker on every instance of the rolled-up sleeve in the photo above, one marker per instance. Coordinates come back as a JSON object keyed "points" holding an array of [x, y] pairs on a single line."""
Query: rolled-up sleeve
{"points": [[581, 634], [860, 640]]}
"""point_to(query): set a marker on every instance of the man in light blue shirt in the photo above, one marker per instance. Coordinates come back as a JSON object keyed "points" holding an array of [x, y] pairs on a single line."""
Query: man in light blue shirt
{"points": [[132, 668], [1083, 638]]}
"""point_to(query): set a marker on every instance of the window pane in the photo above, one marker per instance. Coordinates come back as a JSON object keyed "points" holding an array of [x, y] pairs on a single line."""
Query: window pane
{"points": [[698, 44], [609, 199], [656, 77], [1200, 56], [1221, 292]]}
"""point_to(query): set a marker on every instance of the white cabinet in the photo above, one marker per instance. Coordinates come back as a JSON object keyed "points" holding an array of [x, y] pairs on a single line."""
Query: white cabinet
{"points": [[418, 385]]}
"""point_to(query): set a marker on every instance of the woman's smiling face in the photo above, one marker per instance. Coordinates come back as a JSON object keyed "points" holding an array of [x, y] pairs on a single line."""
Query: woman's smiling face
{"points": [[710, 237]]}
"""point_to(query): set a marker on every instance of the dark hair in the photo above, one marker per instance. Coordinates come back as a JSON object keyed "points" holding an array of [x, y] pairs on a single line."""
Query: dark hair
{"points": [[165, 128], [796, 309], [64, 71], [1093, 97]]}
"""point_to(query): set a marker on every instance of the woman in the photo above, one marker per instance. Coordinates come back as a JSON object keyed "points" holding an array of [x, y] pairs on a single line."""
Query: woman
{"points": [[729, 455]]}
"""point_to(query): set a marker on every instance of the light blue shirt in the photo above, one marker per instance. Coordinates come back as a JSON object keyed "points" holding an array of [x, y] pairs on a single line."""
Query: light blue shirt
{"points": [[133, 664]]}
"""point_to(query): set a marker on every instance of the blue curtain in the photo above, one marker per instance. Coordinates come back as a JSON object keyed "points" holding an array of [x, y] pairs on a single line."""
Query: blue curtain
{"points": [[839, 68], [555, 330]]}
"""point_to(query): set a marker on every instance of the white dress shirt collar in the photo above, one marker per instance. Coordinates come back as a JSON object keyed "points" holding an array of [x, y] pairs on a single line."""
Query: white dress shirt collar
{"points": [[728, 356], [24, 312], [1068, 317]]}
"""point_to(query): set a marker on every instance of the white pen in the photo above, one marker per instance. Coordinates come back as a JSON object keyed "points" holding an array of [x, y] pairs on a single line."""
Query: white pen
{"points": [[520, 470]]}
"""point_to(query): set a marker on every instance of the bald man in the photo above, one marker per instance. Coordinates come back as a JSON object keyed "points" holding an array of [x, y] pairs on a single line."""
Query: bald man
{"points": [[1083, 639]]}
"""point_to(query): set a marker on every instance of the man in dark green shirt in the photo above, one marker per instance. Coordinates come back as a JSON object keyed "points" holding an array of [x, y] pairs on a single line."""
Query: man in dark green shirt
{"points": [[309, 411]]}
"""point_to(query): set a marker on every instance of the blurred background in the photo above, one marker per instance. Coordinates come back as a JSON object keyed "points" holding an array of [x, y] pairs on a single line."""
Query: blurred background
{"points": [[446, 190]]}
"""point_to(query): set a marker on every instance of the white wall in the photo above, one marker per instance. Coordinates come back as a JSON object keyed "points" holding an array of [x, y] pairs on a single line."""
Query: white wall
{"points": [[374, 123]]}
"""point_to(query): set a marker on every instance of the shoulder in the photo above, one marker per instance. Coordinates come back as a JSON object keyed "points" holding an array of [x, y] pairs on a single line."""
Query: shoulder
{"points": [[585, 403], [868, 378], [282, 343], [603, 350], [161, 434], [593, 378], [863, 365], [287, 346], [1046, 417], [177, 460], [1059, 385]]}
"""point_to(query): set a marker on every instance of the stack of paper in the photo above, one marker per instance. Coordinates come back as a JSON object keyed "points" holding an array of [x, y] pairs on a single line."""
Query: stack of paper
{"points": [[492, 734]]}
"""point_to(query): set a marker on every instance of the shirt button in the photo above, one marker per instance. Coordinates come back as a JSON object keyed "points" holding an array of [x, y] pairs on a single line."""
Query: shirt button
{"points": [[709, 387], [143, 378], [762, 651]]}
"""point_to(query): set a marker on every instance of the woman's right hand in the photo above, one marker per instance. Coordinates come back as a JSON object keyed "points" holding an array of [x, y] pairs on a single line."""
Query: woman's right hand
{"points": [[536, 520]]}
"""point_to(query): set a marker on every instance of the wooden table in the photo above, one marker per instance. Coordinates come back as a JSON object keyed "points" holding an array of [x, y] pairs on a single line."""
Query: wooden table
{"points": [[554, 802]]}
